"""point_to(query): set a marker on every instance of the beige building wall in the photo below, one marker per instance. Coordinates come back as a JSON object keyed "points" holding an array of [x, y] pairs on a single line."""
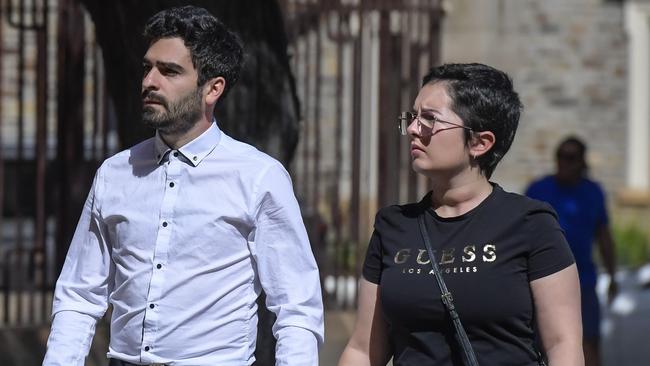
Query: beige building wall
{"points": [[568, 60]]}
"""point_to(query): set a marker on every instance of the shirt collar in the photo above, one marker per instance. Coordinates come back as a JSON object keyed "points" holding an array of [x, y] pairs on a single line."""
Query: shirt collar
{"points": [[194, 151]]}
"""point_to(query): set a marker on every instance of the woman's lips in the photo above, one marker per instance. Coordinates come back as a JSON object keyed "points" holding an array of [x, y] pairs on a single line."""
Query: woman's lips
{"points": [[415, 149]]}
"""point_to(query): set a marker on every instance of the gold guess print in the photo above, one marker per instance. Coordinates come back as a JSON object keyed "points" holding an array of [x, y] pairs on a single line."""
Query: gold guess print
{"points": [[449, 260]]}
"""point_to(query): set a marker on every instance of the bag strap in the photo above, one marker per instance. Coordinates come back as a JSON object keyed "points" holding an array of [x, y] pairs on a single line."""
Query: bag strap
{"points": [[447, 299]]}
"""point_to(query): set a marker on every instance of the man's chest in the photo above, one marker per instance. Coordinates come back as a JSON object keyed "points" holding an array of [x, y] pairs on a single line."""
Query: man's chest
{"points": [[178, 214]]}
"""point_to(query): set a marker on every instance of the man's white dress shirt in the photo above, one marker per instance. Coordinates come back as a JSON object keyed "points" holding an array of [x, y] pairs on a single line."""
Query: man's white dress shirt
{"points": [[180, 243]]}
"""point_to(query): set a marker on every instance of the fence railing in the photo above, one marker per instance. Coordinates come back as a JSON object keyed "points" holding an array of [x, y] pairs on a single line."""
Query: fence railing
{"points": [[357, 64]]}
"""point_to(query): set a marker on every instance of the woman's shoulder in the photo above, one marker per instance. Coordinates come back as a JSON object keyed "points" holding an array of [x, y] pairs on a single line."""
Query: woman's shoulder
{"points": [[515, 202], [398, 213]]}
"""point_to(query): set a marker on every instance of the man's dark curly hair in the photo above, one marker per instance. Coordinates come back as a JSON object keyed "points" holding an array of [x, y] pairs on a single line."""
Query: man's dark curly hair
{"points": [[215, 50], [484, 98]]}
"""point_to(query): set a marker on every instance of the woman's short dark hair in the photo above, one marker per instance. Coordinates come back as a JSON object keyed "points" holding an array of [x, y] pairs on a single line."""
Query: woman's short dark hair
{"points": [[215, 50], [484, 98]]}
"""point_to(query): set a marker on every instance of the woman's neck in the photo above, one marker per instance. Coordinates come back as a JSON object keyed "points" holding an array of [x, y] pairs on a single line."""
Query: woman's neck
{"points": [[455, 198]]}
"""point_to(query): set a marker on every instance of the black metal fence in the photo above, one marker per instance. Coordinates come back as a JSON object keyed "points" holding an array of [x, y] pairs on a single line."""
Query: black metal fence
{"points": [[54, 128], [357, 64]]}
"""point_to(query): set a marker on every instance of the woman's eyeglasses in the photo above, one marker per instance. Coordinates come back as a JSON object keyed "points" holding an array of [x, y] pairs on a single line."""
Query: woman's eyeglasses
{"points": [[425, 124]]}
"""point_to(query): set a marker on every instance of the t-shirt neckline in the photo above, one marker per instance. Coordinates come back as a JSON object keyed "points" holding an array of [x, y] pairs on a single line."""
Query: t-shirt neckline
{"points": [[426, 202]]}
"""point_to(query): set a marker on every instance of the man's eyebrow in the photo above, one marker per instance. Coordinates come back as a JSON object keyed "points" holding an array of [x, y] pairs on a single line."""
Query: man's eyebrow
{"points": [[166, 65], [170, 65]]}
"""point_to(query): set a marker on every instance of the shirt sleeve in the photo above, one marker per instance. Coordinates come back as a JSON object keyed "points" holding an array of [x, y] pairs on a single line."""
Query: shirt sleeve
{"points": [[601, 206], [287, 269], [372, 265], [61, 349], [549, 250], [81, 293]]}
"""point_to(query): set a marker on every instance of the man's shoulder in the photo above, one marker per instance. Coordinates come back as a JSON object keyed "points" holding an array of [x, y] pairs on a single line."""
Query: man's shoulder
{"points": [[592, 184], [593, 188], [542, 182], [246, 153], [541, 188], [141, 151]]}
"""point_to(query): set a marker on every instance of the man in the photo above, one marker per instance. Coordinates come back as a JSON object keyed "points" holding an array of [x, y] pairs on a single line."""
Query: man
{"points": [[181, 232], [581, 207]]}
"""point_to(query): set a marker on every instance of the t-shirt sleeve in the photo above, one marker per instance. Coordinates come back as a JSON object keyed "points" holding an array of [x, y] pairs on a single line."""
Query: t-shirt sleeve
{"points": [[549, 250], [601, 206], [372, 266]]}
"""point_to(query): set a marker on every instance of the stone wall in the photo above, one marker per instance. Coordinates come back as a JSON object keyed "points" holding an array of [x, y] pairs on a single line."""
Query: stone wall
{"points": [[568, 59]]}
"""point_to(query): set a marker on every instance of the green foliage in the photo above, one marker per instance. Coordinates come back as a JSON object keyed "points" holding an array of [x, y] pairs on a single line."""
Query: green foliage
{"points": [[632, 245]]}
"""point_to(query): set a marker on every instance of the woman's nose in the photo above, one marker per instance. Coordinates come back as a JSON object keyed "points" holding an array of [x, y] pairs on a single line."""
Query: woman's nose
{"points": [[412, 128]]}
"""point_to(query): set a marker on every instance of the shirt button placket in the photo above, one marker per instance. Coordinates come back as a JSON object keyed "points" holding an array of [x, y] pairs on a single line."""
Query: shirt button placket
{"points": [[160, 249]]}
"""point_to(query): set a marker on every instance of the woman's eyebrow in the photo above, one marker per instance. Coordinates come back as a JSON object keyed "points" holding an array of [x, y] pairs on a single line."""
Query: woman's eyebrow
{"points": [[424, 109]]}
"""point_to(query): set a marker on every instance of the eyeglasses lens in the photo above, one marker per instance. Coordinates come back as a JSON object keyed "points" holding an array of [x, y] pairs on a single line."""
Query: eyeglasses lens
{"points": [[405, 119]]}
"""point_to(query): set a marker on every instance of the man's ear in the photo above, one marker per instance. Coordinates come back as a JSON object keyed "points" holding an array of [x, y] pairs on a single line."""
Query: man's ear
{"points": [[481, 142], [213, 89]]}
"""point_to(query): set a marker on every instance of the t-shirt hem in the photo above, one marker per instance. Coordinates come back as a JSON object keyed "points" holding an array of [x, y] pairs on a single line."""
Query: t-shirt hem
{"points": [[369, 278]]}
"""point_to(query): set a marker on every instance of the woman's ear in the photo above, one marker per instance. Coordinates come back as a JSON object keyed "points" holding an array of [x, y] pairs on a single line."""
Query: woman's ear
{"points": [[480, 143], [214, 89]]}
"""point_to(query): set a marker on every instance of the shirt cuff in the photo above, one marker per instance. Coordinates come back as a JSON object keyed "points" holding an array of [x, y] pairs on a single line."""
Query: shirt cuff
{"points": [[70, 338], [297, 346]]}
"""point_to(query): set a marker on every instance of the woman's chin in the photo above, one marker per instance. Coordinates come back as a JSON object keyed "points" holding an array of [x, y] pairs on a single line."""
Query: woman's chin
{"points": [[418, 166]]}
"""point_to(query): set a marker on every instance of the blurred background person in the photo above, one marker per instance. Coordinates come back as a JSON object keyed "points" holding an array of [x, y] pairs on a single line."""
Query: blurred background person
{"points": [[581, 206]]}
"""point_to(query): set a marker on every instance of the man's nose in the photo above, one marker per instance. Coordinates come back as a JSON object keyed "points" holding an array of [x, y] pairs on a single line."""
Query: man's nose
{"points": [[150, 80]]}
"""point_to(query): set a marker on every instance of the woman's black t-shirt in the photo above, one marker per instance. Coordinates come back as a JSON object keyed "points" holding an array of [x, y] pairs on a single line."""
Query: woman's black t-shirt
{"points": [[488, 257]]}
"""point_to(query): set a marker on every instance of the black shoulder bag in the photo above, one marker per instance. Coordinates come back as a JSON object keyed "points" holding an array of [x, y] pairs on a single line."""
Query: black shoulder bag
{"points": [[468, 353]]}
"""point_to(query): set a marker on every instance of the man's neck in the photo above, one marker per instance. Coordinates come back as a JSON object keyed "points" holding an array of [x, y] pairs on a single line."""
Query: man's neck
{"points": [[568, 181], [176, 141]]}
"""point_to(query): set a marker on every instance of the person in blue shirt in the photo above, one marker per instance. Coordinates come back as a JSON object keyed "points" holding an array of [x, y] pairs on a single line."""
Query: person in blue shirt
{"points": [[581, 206]]}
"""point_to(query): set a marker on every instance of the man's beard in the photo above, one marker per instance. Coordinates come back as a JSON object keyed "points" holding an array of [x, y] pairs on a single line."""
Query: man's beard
{"points": [[178, 118]]}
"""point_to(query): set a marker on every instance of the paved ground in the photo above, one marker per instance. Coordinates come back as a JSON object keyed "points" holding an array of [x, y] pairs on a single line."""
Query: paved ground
{"points": [[338, 327], [626, 325]]}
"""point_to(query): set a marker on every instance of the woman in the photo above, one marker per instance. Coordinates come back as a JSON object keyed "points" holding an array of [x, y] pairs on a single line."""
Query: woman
{"points": [[502, 256]]}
